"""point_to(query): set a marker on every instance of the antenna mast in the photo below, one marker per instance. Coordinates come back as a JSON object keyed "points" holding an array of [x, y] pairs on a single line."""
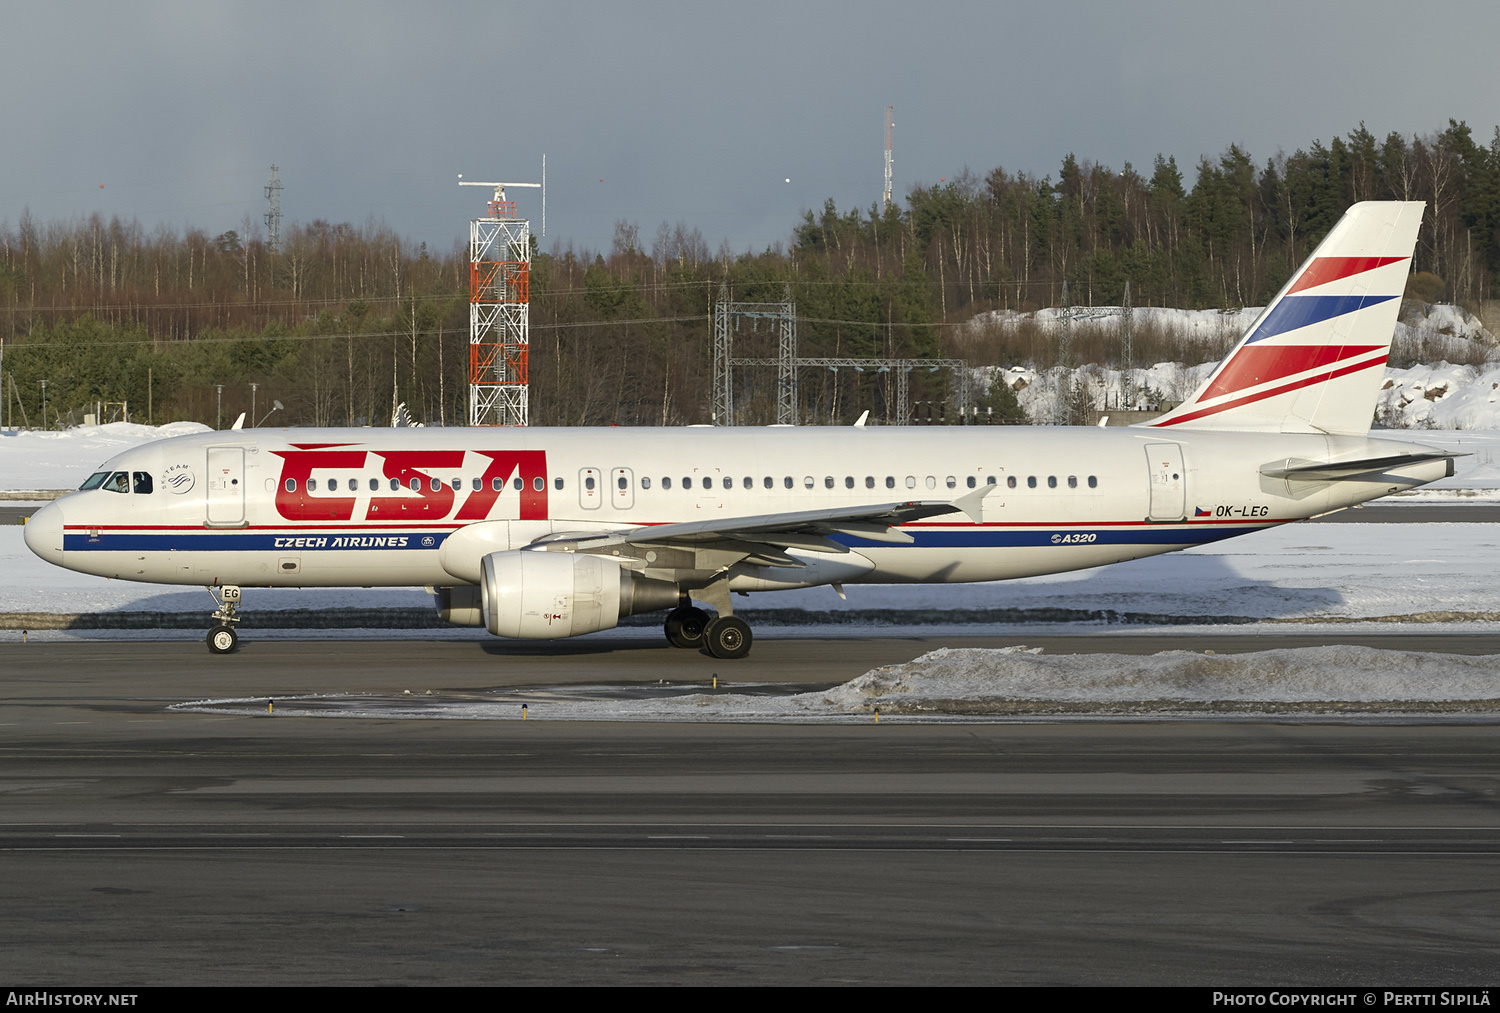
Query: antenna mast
{"points": [[273, 212], [499, 312], [886, 198]]}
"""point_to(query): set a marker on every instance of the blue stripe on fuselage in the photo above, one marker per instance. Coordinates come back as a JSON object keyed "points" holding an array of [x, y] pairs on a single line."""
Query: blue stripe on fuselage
{"points": [[941, 538], [977, 538], [240, 541]]}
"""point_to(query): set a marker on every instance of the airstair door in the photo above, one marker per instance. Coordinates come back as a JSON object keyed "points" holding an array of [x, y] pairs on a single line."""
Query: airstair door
{"points": [[226, 486], [1168, 482]]}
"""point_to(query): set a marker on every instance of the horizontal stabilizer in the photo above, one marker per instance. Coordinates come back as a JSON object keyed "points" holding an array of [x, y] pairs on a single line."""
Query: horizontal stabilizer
{"points": [[1339, 470]]}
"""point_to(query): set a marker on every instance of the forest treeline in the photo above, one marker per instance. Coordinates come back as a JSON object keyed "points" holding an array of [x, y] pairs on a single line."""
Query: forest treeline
{"points": [[344, 321]]}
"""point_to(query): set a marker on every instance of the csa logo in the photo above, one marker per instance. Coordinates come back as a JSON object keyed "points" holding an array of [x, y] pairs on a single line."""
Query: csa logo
{"points": [[427, 541], [179, 479]]}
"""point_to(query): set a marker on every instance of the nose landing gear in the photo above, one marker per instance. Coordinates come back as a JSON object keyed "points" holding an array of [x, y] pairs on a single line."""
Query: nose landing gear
{"points": [[222, 639]]}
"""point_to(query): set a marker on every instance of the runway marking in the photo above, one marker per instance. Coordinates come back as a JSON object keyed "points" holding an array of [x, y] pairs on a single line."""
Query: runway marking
{"points": [[980, 840]]}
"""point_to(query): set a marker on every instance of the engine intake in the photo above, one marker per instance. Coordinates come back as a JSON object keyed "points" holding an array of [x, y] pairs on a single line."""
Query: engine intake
{"points": [[538, 595]]}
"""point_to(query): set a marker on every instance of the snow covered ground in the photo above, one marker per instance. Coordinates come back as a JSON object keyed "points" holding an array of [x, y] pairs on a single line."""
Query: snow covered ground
{"points": [[34, 459], [1441, 396], [1322, 576], [1296, 573], [1007, 684]]}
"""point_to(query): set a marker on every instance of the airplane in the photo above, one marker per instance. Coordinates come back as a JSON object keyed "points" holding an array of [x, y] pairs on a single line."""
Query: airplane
{"points": [[545, 533]]}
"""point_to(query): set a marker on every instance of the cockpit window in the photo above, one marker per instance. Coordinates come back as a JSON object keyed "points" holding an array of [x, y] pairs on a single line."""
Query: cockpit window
{"points": [[118, 482], [142, 483], [95, 480]]}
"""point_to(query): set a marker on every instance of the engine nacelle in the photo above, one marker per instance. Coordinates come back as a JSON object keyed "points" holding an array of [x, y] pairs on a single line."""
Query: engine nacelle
{"points": [[461, 606], [538, 595]]}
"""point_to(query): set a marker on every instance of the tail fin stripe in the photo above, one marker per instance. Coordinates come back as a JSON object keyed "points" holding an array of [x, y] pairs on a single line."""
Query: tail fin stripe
{"points": [[1255, 365], [1295, 312], [1325, 269], [1283, 389]]}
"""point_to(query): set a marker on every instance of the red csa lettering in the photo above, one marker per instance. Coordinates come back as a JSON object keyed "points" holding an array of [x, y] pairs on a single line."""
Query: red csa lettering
{"points": [[295, 504], [405, 465], [529, 464]]}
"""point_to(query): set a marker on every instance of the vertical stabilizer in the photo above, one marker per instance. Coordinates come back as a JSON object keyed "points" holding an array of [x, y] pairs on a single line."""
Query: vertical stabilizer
{"points": [[1314, 360]]}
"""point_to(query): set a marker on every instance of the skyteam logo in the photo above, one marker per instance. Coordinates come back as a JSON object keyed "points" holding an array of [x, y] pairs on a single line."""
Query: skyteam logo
{"points": [[179, 479]]}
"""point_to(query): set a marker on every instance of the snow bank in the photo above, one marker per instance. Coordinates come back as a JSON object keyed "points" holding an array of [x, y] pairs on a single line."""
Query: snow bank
{"points": [[969, 680], [967, 683], [62, 459]]}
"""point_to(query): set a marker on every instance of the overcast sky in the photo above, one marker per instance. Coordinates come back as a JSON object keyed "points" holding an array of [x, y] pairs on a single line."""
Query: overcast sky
{"points": [[694, 112]]}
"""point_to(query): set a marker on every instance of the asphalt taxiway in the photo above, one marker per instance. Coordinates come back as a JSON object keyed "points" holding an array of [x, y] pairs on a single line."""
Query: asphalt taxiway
{"points": [[148, 846]]}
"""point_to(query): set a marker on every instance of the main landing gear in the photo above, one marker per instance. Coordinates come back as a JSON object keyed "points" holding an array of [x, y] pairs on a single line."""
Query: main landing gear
{"points": [[721, 636], [221, 638]]}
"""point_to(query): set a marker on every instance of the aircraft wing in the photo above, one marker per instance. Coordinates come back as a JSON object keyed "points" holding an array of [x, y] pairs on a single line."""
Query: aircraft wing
{"points": [[800, 529]]}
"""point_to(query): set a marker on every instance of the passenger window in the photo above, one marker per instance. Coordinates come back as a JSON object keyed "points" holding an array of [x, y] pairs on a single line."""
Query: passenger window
{"points": [[291, 485], [911, 481], [457, 484], [869, 481], [1051, 481], [848, 481], [687, 482], [890, 481], [477, 484], [496, 484], [971, 481], [645, 482], [953, 482], [931, 482], [622, 482], [396, 484], [557, 483], [828, 481], [435, 483], [666, 483], [728, 482], [991, 481], [375, 484], [787, 481], [539, 484], [312, 484], [749, 482], [142, 483], [1010, 482], [333, 485], [769, 482], [807, 482], [1093, 482], [416, 485], [588, 483], [1031, 481], [1072, 481]]}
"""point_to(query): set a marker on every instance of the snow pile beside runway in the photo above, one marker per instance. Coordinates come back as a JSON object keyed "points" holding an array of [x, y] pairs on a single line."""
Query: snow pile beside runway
{"points": [[1021, 680], [1016, 682], [35, 459]]}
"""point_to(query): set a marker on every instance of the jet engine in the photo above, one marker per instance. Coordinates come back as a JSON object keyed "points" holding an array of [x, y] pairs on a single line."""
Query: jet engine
{"points": [[538, 595]]}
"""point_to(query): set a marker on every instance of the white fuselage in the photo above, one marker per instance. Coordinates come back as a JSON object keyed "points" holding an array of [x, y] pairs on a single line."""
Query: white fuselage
{"points": [[368, 507]]}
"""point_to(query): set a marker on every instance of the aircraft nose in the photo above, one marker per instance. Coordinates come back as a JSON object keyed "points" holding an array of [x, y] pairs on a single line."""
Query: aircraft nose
{"points": [[44, 533]]}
